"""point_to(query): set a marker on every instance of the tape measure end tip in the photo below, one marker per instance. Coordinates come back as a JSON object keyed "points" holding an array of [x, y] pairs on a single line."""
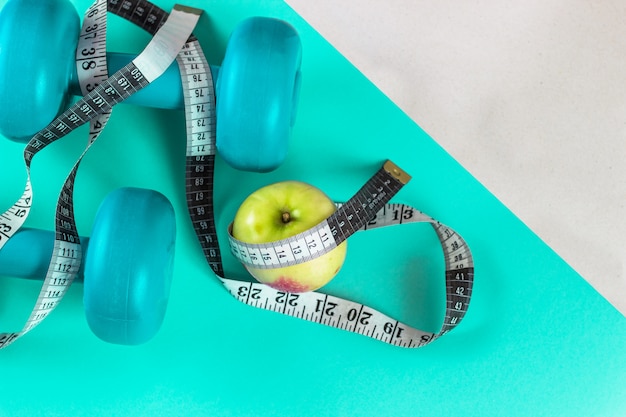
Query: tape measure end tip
{"points": [[187, 9], [396, 172]]}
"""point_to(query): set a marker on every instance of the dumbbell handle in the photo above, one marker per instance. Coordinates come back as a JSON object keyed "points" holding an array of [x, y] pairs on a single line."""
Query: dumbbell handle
{"points": [[165, 92], [27, 254]]}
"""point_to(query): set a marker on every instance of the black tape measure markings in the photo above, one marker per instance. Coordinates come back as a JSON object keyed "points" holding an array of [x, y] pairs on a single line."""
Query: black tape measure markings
{"points": [[331, 311], [139, 12], [199, 96]]}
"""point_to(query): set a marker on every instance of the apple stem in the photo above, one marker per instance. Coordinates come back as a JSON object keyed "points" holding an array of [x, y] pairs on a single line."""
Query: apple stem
{"points": [[286, 217]]}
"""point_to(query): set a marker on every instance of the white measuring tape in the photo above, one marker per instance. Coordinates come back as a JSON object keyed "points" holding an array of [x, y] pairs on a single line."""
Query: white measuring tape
{"points": [[369, 207]]}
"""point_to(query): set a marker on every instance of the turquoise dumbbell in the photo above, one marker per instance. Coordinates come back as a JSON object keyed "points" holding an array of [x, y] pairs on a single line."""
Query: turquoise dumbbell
{"points": [[257, 85], [127, 264]]}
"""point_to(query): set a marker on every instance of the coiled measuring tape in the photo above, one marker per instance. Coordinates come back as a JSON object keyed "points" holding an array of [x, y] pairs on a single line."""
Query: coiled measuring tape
{"points": [[367, 209]]}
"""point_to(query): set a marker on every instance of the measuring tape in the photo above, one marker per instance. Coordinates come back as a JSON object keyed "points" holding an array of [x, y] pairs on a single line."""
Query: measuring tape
{"points": [[369, 207]]}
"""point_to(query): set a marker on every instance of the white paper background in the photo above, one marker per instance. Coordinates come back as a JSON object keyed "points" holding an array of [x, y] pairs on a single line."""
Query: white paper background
{"points": [[529, 96]]}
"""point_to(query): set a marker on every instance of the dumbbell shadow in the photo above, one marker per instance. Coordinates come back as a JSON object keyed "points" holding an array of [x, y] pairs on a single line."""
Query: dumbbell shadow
{"points": [[127, 264]]}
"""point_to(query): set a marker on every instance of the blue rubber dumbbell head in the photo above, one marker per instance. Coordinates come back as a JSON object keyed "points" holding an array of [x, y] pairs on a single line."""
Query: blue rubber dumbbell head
{"points": [[127, 264], [257, 87], [257, 93]]}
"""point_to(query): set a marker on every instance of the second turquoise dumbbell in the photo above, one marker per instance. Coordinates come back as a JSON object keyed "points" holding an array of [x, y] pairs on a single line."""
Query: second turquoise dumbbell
{"points": [[127, 264]]}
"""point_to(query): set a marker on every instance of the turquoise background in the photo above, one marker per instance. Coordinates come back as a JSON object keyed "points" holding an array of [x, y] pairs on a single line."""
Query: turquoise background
{"points": [[537, 340]]}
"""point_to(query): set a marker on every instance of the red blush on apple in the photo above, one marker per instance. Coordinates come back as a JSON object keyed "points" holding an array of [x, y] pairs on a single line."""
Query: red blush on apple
{"points": [[287, 284]]}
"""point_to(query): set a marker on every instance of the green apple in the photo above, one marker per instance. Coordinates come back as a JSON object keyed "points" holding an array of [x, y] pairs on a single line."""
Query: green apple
{"points": [[281, 210]]}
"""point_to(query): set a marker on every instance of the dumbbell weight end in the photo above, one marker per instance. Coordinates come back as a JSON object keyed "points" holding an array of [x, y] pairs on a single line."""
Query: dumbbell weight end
{"points": [[128, 264]]}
